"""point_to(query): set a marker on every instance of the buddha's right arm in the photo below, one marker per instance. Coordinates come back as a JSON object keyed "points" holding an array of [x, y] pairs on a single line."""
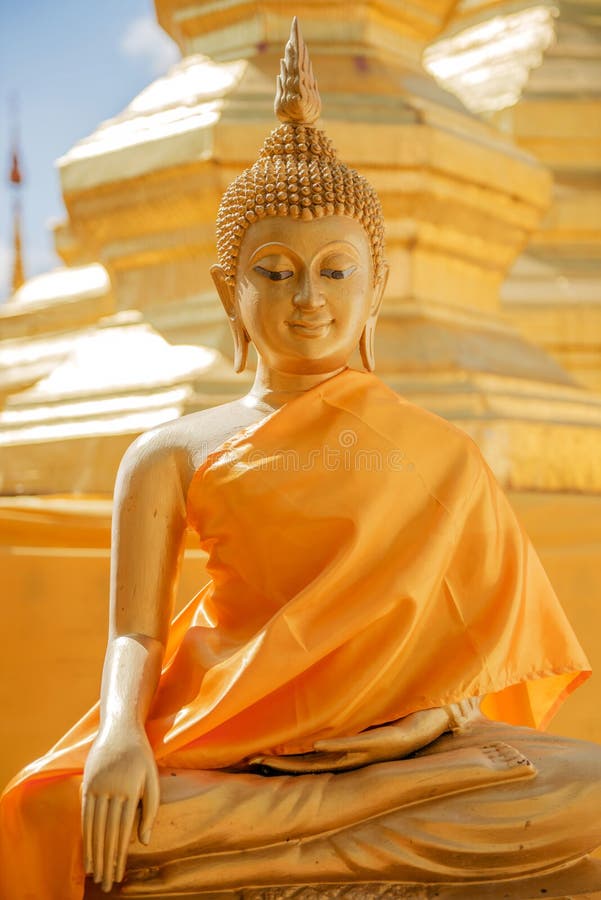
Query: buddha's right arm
{"points": [[147, 541]]}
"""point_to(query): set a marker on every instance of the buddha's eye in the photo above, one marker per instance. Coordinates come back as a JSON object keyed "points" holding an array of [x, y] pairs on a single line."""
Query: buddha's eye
{"points": [[338, 274], [274, 275]]}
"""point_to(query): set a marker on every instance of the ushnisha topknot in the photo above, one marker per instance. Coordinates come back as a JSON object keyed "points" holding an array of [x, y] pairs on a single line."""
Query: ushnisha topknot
{"points": [[297, 172], [297, 100]]}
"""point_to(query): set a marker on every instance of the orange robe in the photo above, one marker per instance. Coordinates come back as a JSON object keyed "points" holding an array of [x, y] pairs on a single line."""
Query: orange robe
{"points": [[364, 564]]}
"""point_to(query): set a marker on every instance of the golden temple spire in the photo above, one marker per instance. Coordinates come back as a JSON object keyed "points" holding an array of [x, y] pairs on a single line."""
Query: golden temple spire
{"points": [[18, 278], [16, 181]]}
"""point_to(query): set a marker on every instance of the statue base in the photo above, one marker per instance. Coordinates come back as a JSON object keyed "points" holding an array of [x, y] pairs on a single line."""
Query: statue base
{"points": [[582, 881]]}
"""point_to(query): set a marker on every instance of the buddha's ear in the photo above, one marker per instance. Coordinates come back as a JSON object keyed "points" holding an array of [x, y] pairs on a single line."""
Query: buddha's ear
{"points": [[379, 289], [227, 295], [226, 291], [367, 339]]}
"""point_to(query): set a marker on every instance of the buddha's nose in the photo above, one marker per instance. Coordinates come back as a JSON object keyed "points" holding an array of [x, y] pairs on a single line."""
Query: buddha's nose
{"points": [[309, 294]]}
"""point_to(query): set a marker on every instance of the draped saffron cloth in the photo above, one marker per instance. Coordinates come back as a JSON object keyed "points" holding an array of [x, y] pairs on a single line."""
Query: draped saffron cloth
{"points": [[363, 564]]}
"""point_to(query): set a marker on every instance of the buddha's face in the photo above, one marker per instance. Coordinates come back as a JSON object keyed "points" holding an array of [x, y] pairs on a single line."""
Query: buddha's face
{"points": [[304, 291]]}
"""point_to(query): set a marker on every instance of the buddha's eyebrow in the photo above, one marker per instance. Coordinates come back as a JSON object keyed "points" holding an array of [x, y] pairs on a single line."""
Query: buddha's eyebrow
{"points": [[272, 250], [341, 246]]}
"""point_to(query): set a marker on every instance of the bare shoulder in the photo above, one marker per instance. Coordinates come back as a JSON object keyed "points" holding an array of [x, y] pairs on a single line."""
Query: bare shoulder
{"points": [[182, 445]]}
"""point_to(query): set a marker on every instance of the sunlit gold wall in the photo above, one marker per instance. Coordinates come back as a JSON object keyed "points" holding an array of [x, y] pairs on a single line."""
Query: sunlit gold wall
{"points": [[55, 626]]}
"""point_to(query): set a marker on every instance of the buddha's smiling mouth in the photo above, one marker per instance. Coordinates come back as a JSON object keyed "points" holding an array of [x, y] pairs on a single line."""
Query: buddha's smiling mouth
{"points": [[310, 329]]}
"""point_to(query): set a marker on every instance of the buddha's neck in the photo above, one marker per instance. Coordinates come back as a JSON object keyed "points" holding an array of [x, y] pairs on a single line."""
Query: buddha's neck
{"points": [[276, 388]]}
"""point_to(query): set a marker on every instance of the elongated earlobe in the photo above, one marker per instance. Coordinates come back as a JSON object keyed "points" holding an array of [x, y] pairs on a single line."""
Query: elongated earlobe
{"points": [[366, 345], [368, 335], [240, 347], [227, 295]]}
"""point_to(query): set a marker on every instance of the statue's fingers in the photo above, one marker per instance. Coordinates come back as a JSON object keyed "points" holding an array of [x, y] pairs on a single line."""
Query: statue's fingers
{"points": [[99, 829], [128, 818], [356, 743], [137, 819], [88, 826], [386, 739], [299, 763], [150, 806], [354, 760], [337, 762], [113, 822]]}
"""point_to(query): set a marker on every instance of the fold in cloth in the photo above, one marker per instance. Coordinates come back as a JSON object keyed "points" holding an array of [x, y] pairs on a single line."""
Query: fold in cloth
{"points": [[364, 564]]}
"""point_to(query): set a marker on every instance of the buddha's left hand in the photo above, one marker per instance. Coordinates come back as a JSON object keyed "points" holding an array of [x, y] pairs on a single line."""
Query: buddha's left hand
{"points": [[382, 744]]}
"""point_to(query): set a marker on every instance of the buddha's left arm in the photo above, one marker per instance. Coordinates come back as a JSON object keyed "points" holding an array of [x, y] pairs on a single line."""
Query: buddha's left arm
{"points": [[384, 743], [392, 741]]}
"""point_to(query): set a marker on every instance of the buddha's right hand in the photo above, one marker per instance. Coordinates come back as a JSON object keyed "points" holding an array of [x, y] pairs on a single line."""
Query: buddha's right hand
{"points": [[120, 773]]}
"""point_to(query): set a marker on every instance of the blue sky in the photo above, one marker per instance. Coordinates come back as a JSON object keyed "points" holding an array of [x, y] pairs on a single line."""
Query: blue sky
{"points": [[72, 63]]}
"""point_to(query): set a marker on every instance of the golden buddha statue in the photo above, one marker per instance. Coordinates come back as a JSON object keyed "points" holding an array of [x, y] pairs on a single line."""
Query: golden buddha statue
{"points": [[353, 698]]}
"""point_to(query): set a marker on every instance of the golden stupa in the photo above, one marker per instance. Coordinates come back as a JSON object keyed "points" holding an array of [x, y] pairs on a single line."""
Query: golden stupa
{"points": [[491, 316]]}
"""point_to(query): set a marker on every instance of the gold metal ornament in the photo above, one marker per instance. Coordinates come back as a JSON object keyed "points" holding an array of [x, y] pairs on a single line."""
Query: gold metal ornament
{"points": [[297, 99]]}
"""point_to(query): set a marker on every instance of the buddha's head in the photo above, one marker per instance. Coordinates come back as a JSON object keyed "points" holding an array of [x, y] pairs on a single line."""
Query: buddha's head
{"points": [[300, 242]]}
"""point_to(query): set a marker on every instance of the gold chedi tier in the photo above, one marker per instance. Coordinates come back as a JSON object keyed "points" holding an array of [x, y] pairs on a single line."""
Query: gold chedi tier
{"points": [[237, 29], [67, 433], [42, 318], [536, 70], [460, 201], [553, 294]]}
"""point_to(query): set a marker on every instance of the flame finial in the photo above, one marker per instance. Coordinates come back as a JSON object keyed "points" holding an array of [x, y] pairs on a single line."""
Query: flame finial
{"points": [[297, 100]]}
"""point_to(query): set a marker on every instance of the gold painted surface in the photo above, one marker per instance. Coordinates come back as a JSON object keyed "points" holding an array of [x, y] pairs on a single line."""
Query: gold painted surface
{"points": [[461, 203], [68, 431], [552, 293], [569, 327], [453, 222], [55, 570], [199, 805], [487, 62], [55, 567], [145, 219], [55, 558], [450, 239], [389, 892], [132, 612], [51, 304], [237, 26], [566, 530]]}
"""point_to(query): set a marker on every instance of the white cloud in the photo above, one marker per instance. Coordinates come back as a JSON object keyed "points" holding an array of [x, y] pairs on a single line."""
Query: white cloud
{"points": [[145, 40]]}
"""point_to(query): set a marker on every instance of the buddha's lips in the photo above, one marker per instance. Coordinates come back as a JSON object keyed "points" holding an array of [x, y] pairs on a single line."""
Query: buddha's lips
{"points": [[309, 327]]}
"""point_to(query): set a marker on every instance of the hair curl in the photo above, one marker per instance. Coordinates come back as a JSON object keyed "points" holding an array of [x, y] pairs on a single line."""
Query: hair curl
{"points": [[297, 174]]}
